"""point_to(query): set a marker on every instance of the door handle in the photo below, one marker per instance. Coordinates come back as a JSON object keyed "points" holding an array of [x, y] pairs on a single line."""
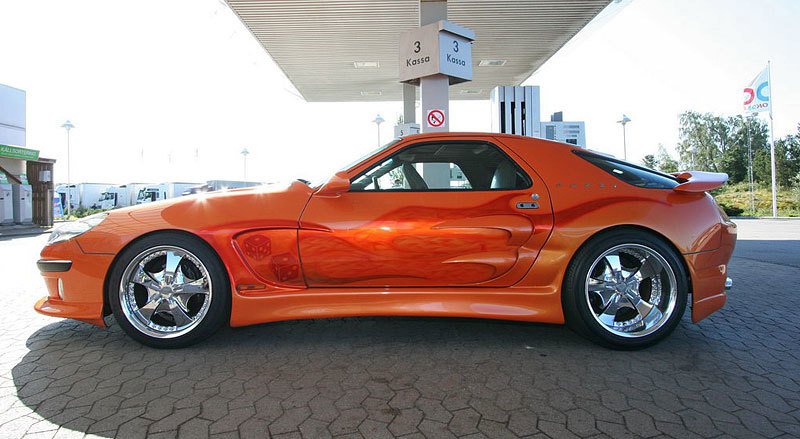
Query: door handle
{"points": [[524, 205]]}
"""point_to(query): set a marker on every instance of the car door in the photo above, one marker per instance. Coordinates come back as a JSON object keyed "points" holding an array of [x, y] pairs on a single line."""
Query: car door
{"points": [[447, 212]]}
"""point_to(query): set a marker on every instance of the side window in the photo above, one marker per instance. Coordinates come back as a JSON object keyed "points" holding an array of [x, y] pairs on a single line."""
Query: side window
{"points": [[476, 166]]}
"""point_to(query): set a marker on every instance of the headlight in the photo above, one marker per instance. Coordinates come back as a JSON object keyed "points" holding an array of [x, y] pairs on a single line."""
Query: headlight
{"points": [[70, 230]]}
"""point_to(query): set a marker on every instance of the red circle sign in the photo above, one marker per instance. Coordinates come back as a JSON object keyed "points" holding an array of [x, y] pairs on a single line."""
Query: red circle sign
{"points": [[435, 118]]}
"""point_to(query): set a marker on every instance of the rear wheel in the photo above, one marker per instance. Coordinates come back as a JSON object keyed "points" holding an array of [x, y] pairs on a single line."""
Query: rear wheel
{"points": [[169, 290], [625, 289]]}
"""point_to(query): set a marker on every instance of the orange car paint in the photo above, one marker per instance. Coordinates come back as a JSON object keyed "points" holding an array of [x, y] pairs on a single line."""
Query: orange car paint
{"points": [[293, 254]]}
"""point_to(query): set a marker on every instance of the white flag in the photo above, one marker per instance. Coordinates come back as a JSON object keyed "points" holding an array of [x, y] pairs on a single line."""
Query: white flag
{"points": [[757, 94]]}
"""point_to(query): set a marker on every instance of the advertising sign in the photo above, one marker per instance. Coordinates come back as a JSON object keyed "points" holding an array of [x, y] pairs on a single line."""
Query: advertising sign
{"points": [[757, 94], [57, 209]]}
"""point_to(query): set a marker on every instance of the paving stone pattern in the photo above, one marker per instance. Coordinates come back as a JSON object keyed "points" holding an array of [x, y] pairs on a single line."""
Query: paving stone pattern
{"points": [[737, 374]]}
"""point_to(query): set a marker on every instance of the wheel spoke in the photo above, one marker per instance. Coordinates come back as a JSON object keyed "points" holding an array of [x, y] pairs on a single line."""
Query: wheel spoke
{"points": [[613, 264], [178, 314], [198, 286], [150, 308], [609, 314], [146, 280], [171, 267], [641, 306], [649, 268], [603, 290], [653, 317]]}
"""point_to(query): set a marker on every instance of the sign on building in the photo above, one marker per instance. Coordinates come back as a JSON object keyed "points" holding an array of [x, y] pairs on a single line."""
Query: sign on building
{"points": [[16, 152], [438, 48]]}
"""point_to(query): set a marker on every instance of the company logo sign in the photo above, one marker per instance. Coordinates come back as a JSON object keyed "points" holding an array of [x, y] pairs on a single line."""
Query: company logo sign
{"points": [[757, 94]]}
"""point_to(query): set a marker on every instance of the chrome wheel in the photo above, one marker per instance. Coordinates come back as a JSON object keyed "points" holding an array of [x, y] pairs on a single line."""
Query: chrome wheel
{"points": [[631, 290], [165, 292]]}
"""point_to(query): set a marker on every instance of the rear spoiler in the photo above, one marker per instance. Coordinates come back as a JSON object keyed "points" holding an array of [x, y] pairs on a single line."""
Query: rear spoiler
{"points": [[698, 181]]}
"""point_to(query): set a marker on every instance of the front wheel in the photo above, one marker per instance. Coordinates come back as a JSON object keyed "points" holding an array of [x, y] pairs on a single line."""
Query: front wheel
{"points": [[626, 289], [169, 290]]}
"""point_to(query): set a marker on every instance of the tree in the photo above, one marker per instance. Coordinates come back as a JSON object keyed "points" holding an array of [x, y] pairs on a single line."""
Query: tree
{"points": [[744, 132], [787, 159], [719, 144], [649, 161], [665, 161]]}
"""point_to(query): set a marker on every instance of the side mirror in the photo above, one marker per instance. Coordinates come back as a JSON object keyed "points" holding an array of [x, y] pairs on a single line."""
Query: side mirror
{"points": [[337, 185]]}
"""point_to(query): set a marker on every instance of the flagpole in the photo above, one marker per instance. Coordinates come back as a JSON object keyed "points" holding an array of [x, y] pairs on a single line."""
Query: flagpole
{"points": [[750, 166], [772, 144]]}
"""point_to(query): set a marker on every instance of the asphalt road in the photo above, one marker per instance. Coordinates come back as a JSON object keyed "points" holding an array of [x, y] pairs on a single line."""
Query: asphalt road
{"points": [[735, 374]]}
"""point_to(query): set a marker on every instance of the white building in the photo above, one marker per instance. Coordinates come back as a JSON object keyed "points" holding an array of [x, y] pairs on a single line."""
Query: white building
{"points": [[568, 132]]}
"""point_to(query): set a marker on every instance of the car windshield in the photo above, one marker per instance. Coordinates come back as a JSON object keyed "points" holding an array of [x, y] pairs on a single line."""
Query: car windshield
{"points": [[318, 183]]}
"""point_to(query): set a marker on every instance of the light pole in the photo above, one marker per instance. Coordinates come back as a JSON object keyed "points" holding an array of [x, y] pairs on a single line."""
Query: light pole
{"points": [[378, 121], [624, 121], [244, 154], [68, 126]]}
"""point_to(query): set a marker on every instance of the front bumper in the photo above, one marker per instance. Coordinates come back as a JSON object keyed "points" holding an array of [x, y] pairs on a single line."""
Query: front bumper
{"points": [[75, 282]]}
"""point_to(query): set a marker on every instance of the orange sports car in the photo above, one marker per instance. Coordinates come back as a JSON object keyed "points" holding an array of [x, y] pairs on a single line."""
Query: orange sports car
{"points": [[444, 224]]}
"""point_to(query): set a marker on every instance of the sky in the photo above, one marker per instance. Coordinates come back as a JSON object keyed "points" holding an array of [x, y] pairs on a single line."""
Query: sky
{"points": [[173, 90]]}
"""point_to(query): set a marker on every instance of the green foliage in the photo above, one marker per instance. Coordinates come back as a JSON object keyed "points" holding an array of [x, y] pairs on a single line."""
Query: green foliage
{"points": [[662, 162], [731, 210], [665, 161], [737, 196], [650, 161], [720, 144], [84, 212]]}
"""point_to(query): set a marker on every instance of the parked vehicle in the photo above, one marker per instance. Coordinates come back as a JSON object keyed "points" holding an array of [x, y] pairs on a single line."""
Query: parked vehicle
{"points": [[163, 191], [537, 231], [219, 185], [86, 195], [120, 196]]}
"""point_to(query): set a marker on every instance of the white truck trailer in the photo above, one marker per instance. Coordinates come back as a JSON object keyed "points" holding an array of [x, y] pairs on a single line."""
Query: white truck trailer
{"points": [[121, 196], [163, 191], [86, 195]]}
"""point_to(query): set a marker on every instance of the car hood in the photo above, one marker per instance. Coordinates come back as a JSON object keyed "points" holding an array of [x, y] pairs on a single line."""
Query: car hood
{"points": [[274, 205]]}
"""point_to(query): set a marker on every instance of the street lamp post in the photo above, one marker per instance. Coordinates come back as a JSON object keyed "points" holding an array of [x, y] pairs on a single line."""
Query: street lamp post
{"points": [[68, 126], [378, 121], [244, 154], [624, 121]]}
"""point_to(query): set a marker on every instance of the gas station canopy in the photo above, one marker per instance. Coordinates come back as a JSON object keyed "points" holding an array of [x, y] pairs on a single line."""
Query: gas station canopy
{"points": [[347, 50]]}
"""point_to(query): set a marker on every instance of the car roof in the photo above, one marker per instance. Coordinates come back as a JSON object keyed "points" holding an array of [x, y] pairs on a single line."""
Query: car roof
{"points": [[457, 134]]}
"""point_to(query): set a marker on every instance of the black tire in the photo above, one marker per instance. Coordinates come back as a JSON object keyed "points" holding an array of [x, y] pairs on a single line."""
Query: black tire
{"points": [[579, 309], [215, 313]]}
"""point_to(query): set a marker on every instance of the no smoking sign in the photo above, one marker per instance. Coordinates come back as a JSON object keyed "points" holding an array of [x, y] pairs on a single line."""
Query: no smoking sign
{"points": [[435, 118]]}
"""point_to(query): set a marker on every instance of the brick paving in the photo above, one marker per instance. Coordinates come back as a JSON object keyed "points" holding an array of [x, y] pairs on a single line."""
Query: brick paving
{"points": [[737, 374]]}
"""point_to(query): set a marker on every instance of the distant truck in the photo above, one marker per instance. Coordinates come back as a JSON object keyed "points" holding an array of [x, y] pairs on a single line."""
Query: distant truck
{"points": [[120, 196], [163, 191], [86, 195], [218, 185]]}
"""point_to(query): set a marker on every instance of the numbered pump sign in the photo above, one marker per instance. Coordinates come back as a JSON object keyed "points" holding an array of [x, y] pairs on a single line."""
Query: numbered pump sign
{"points": [[438, 48]]}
